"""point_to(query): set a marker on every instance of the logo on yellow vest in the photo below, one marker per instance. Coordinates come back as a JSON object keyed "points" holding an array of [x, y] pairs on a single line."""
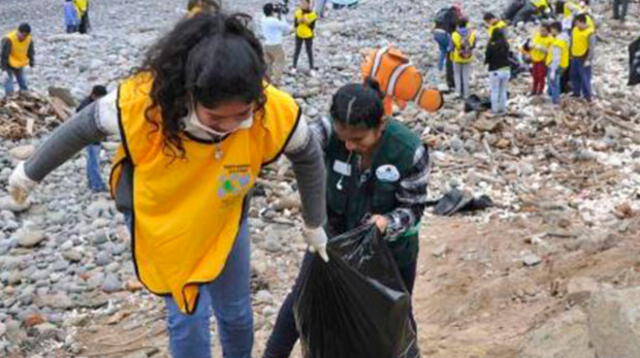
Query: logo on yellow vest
{"points": [[235, 182]]}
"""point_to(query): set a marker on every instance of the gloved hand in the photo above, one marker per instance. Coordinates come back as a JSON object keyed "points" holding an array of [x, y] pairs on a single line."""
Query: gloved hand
{"points": [[20, 185], [317, 240]]}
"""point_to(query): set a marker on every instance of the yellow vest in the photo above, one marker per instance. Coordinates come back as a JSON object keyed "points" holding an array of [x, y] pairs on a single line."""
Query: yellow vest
{"points": [[81, 6], [564, 50], [457, 39], [194, 11], [580, 41], [186, 213], [540, 3], [305, 31], [538, 40], [497, 26], [19, 56]]}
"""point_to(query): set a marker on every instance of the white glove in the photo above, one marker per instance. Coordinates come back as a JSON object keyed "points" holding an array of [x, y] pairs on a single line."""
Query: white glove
{"points": [[317, 241], [20, 184]]}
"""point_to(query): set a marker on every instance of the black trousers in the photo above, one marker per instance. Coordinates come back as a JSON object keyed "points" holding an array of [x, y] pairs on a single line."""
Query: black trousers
{"points": [[308, 45], [284, 335]]}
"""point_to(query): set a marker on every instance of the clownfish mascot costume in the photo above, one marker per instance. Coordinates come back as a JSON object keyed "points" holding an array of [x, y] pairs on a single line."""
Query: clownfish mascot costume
{"points": [[399, 79]]}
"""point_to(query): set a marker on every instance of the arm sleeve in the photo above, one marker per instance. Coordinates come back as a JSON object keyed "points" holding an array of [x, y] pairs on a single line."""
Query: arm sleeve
{"points": [[307, 160], [592, 47], [32, 54], [6, 50], [412, 195], [67, 140], [321, 129]]}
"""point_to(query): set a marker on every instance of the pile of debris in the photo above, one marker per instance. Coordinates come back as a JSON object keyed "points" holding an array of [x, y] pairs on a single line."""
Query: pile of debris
{"points": [[30, 114]]}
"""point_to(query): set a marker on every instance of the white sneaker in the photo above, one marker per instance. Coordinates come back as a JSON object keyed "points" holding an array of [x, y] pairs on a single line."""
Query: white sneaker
{"points": [[294, 71], [313, 73]]}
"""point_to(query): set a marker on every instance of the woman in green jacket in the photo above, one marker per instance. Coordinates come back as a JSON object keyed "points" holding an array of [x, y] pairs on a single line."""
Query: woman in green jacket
{"points": [[377, 172]]}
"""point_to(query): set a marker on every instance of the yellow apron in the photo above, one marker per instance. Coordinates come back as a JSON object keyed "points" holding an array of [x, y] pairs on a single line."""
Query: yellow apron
{"points": [[497, 26], [305, 31], [538, 40], [19, 56], [564, 50], [186, 213], [457, 39]]}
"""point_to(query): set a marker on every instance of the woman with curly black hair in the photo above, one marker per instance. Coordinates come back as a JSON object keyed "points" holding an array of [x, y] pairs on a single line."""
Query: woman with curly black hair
{"points": [[197, 121]]}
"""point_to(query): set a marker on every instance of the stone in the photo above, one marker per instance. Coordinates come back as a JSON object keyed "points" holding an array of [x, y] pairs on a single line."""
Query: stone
{"points": [[29, 238], [111, 284], [614, 322], [580, 289], [72, 255], [3, 329], [564, 336], [46, 330], [531, 260], [33, 319], [22, 152], [7, 203], [57, 301], [440, 251], [63, 94], [103, 258]]}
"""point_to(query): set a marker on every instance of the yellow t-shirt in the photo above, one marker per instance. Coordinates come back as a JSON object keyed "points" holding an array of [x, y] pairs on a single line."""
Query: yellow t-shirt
{"points": [[538, 55], [305, 30]]}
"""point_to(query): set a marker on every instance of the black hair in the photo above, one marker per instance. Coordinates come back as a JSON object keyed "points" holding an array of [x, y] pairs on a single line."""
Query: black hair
{"points": [[268, 9], [499, 36], [488, 16], [581, 18], [462, 22], [193, 3], [99, 91], [25, 28], [209, 59], [359, 105], [556, 25], [546, 26]]}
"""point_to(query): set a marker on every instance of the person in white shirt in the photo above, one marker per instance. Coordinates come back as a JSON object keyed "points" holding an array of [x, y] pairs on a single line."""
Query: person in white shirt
{"points": [[273, 30]]}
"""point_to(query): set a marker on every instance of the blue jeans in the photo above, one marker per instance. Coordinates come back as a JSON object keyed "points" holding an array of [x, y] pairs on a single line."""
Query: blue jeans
{"points": [[555, 84], [499, 81], [229, 297], [443, 41], [580, 79], [93, 168], [18, 73], [72, 28]]}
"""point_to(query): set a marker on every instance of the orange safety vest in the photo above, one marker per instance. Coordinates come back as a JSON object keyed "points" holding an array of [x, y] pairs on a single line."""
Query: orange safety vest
{"points": [[400, 80], [187, 213]]}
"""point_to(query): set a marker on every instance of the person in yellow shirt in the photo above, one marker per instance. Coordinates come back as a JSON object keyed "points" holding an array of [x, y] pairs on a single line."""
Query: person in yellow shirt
{"points": [[494, 23], [557, 60], [197, 123], [583, 41], [540, 44], [464, 43], [17, 53], [305, 23], [82, 6]]}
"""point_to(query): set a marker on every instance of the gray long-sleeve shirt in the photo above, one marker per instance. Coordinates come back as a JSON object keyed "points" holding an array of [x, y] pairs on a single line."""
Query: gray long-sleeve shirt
{"points": [[98, 120]]}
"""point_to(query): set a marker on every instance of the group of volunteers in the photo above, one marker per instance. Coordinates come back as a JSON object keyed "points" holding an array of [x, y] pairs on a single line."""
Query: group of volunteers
{"points": [[76, 16], [559, 54], [198, 120]]}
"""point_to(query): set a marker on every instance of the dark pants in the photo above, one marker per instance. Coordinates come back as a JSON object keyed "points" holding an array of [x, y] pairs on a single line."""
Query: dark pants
{"points": [[84, 23], [513, 9], [451, 78], [525, 14], [620, 8], [308, 45], [580, 79], [284, 335]]}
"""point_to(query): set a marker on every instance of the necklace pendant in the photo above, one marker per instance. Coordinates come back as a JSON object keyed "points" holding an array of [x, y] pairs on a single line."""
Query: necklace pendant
{"points": [[218, 154]]}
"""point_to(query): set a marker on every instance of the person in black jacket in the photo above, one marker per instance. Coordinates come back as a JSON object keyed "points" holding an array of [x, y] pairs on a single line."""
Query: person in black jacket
{"points": [[497, 58], [445, 24]]}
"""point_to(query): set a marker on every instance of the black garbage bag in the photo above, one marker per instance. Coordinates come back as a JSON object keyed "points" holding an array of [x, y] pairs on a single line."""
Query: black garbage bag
{"points": [[475, 103], [456, 201], [356, 305], [634, 62]]}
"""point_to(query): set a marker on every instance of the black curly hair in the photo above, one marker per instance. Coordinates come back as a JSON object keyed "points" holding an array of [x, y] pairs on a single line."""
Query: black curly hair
{"points": [[209, 59]]}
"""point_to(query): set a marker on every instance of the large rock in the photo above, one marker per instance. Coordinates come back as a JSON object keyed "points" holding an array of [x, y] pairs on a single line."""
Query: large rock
{"points": [[614, 323], [22, 152], [63, 94], [565, 336], [29, 238]]}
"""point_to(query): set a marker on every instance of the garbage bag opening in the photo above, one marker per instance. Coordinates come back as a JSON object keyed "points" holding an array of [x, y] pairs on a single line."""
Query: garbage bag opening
{"points": [[356, 305]]}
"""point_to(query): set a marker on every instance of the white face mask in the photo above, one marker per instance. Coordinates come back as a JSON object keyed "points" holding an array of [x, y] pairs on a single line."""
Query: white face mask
{"points": [[195, 121]]}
